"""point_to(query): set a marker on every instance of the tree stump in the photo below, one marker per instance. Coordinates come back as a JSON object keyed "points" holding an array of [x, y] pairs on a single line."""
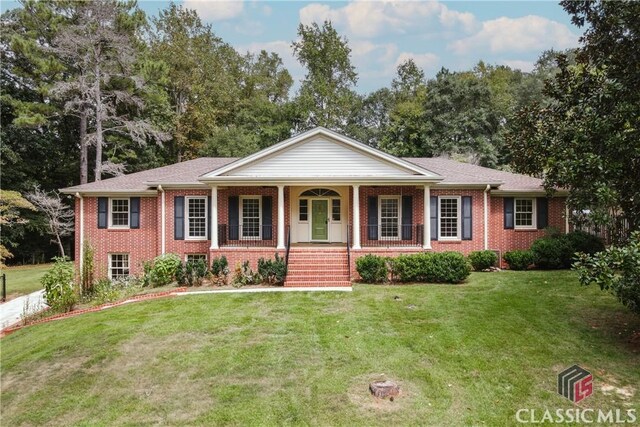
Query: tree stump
{"points": [[384, 389]]}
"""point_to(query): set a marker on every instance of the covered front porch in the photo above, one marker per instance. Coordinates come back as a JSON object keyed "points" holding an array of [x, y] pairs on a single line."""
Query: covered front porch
{"points": [[325, 215]]}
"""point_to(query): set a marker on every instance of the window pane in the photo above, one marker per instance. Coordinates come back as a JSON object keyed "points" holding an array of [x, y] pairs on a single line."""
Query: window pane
{"points": [[449, 217], [197, 216], [389, 218], [119, 266], [304, 210], [250, 217], [524, 212], [335, 209], [196, 257], [120, 212]]}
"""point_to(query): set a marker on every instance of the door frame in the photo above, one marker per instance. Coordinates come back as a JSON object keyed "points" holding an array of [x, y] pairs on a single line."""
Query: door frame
{"points": [[326, 200]]}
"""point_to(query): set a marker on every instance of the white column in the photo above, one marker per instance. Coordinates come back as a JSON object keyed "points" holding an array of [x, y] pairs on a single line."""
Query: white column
{"points": [[426, 244], [566, 217], [80, 263], [486, 217], [163, 221], [280, 217], [356, 217], [214, 217]]}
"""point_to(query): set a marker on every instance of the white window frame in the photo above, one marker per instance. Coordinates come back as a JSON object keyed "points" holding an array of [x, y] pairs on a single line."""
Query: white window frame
{"points": [[110, 265], [333, 221], [187, 217], [186, 256], [110, 213], [241, 218], [459, 218], [399, 230], [308, 213], [534, 224]]}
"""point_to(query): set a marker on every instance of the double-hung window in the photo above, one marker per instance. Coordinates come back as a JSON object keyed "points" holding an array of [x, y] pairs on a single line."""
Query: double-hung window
{"points": [[389, 218], [118, 266], [250, 217], [525, 213], [119, 213], [449, 218], [196, 218]]}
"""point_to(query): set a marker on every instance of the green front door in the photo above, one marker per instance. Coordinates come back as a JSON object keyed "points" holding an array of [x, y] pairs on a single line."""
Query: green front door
{"points": [[319, 220]]}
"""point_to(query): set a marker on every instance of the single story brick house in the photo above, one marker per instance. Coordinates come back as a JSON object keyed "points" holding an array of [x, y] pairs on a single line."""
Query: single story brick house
{"points": [[319, 198]]}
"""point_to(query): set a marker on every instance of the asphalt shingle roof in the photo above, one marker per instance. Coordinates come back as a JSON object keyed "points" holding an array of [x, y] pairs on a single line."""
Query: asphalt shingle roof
{"points": [[189, 171]]}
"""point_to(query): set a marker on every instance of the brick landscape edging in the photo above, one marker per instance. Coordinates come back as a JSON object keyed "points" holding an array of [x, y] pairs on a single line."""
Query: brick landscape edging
{"points": [[135, 298]]}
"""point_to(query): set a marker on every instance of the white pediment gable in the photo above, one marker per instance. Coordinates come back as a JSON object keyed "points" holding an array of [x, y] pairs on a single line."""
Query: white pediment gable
{"points": [[320, 154]]}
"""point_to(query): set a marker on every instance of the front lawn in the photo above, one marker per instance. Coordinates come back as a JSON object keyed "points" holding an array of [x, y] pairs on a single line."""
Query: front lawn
{"points": [[24, 279], [470, 354]]}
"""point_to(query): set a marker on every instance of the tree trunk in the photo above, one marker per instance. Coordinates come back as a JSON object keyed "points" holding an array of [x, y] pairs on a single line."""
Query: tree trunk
{"points": [[60, 246], [98, 95], [84, 163]]}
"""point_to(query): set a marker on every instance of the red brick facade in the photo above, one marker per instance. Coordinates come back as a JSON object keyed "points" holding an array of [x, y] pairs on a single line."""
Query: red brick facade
{"points": [[145, 243]]}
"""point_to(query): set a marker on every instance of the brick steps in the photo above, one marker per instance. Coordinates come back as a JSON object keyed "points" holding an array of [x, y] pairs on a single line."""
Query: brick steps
{"points": [[310, 267]]}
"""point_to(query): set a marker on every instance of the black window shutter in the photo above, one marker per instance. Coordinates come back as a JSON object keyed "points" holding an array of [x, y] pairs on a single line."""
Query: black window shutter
{"points": [[467, 221], [407, 217], [234, 211], [178, 218], [103, 211], [434, 217], [508, 212], [267, 216], [372, 218], [542, 212], [134, 212], [209, 217]]}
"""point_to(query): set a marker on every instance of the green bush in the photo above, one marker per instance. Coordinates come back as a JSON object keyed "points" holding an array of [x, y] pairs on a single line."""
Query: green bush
{"points": [[162, 270], [584, 242], [372, 268], [559, 250], [482, 260], [192, 273], [272, 271], [59, 288], [437, 267], [616, 270], [106, 290], [519, 259], [219, 271]]}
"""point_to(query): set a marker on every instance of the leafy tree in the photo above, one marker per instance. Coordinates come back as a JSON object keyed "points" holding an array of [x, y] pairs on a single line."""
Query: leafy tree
{"points": [[585, 136], [99, 48], [326, 94]]}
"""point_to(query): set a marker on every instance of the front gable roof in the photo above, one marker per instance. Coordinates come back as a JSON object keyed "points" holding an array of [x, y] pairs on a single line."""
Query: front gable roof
{"points": [[320, 154]]}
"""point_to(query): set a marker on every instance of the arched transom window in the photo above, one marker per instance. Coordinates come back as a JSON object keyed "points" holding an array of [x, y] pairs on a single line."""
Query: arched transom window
{"points": [[320, 192]]}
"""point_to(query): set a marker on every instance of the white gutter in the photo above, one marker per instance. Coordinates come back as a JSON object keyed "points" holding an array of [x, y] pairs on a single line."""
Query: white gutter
{"points": [[163, 213], [486, 217], [81, 233]]}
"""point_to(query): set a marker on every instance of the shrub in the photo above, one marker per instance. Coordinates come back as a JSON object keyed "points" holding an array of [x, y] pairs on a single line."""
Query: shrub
{"points": [[106, 290], [87, 281], [271, 271], [193, 273], [519, 259], [438, 267], [219, 271], [59, 288], [482, 260], [372, 268], [584, 242], [616, 270], [243, 275], [163, 270], [551, 253]]}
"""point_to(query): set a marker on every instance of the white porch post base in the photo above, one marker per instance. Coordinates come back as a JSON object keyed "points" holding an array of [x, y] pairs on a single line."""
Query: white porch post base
{"points": [[280, 244], [356, 217]]}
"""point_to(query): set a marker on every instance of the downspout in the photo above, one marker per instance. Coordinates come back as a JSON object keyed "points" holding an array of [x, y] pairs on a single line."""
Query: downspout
{"points": [[163, 225], [80, 263], [486, 217]]}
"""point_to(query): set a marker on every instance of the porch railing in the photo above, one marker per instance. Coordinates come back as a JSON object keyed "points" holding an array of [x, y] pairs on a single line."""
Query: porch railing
{"points": [[254, 236], [403, 235]]}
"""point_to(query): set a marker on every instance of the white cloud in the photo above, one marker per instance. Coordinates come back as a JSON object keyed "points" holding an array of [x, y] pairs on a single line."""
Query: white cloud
{"points": [[214, 10], [370, 19], [526, 66], [525, 34], [267, 10]]}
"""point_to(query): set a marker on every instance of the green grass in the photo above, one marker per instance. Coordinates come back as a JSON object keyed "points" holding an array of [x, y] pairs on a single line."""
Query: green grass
{"points": [[468, 354], [24, 279]]}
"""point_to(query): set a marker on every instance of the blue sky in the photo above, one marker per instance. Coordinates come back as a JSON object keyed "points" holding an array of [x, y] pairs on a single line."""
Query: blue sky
{"points": [[454, 35]]}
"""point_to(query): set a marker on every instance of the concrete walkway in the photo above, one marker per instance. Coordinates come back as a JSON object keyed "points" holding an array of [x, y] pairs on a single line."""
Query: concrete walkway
{"points": [[11, 311]]}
